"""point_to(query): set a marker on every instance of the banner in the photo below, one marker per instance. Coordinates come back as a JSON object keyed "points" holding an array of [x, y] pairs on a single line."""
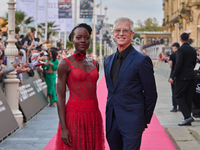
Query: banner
{"points": [[53, 12], [31, 95], [106, 34], [28, 7], [70, 21], [42, 6], [65, 8], [100, 19], [7, 121], [86, 8]]}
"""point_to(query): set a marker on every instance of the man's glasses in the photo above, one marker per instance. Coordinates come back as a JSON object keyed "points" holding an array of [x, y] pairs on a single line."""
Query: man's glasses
{"points": [[125, 32]]}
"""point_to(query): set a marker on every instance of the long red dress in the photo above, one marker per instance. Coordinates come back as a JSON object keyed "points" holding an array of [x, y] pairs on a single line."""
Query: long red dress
{"points": [[83, 118]]}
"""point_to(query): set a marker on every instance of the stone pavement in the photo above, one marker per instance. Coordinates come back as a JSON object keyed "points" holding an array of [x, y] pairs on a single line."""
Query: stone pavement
{"points": [[185, 137], [37, 132]]}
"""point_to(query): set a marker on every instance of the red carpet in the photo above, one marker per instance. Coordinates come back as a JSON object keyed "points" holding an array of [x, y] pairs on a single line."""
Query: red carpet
{"points": [[154, 138]]}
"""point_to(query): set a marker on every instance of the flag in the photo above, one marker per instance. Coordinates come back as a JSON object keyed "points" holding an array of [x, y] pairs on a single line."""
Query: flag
{"points": [[28, 7]]}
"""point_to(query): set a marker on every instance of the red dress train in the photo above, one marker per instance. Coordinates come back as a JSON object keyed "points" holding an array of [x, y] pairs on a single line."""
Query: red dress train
{"points": [[83, 118]]}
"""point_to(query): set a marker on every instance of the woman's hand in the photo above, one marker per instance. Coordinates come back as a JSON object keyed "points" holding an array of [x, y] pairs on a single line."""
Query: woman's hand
{"points": [[66, 137], [27, 69], [47, 62], [15, 64]]}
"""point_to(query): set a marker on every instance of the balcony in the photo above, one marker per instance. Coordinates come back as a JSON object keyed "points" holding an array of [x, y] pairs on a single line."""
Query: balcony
{"points": [[174, 17], [193, 3], [186, 13]]}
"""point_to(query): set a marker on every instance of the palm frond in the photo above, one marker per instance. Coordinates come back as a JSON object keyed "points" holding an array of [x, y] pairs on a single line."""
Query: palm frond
{"points": [[19, 17], [28, 20]]}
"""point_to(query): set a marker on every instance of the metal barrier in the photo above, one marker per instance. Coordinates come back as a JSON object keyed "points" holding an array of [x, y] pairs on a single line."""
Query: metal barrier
{"points": [[8, 124]]}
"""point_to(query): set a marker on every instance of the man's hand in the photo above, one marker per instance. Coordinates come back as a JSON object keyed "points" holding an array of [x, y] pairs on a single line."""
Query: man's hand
{"points": [[171, 81], [66, 137]]}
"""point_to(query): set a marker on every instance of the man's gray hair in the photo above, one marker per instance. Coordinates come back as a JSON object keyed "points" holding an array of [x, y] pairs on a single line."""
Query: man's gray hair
{"points": [[125, 19]]}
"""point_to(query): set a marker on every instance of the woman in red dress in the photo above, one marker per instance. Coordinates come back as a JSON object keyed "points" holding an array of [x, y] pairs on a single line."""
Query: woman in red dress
{"points": [[80, 126]]}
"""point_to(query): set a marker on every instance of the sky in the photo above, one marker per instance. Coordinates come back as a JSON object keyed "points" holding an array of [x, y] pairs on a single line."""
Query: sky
{"points": [[133, 9]]}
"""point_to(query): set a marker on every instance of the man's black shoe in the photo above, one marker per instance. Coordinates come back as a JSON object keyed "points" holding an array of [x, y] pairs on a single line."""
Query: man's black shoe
{"points": [[173, 110], [187, 122]]}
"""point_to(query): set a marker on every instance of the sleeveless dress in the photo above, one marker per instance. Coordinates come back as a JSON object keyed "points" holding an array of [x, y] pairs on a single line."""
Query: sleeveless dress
{"points": [[83, 118]]}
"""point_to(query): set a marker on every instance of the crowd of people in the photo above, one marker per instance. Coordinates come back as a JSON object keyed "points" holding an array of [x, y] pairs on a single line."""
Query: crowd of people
{"points": [[33, 54], [130, 95]]}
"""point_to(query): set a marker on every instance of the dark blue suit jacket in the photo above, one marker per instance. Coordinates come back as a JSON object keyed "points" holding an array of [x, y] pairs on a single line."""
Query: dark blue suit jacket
{"points": [[134, 96]]}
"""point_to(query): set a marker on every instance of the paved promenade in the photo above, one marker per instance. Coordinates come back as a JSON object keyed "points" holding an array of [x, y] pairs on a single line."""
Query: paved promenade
{"points": [[37, 132]]}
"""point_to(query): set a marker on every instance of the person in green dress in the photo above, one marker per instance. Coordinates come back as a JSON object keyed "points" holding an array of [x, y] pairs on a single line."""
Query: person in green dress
{"points": [[50, 67]]}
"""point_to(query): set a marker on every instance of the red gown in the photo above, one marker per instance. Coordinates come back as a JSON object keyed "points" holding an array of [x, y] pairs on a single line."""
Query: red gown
{"points": [[83, 118]]}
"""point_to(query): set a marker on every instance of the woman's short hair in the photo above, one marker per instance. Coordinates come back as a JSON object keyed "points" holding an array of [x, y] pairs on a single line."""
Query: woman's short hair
{"points": [[82, 25], [125, 19]]}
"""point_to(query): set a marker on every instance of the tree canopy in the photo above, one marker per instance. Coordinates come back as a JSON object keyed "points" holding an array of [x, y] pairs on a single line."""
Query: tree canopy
{"points": [[150, 24]]}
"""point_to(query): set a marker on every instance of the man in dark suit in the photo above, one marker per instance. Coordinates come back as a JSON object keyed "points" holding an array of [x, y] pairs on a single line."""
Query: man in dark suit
{"points": [[172, 63], [131, 90], [183, 78]]}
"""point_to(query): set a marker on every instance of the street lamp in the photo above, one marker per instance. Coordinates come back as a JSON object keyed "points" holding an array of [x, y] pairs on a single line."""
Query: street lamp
{"points": [[180, 19], [100, 40], [105, 8], [105, 45], [12, 83]]}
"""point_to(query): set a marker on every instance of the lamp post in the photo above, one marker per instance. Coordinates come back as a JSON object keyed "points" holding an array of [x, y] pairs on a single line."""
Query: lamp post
{"points": [[100, 41], [12, 83], [180, 20], [93, 33], [105, 47]]}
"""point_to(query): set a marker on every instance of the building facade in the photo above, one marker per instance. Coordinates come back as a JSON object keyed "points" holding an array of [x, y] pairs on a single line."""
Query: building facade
{"points": [[182, 16]]}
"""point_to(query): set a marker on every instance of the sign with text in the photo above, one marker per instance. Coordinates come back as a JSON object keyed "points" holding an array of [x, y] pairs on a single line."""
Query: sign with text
{"points": [[86, 8], [31, 95], [7, 121]]}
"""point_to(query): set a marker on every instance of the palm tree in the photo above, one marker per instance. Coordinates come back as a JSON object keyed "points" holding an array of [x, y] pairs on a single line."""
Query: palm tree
{"points": [[50, 28], [4, 22], [20, 20]]}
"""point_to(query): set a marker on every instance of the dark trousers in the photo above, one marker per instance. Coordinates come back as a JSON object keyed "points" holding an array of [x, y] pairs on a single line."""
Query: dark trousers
{"points": [[118, 140], [173, 99], [184, 90]]}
